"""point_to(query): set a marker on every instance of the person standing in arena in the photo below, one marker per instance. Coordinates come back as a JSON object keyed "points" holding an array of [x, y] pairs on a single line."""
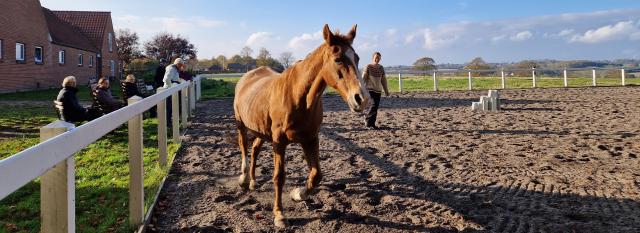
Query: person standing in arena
{"points": [[376, 81]]}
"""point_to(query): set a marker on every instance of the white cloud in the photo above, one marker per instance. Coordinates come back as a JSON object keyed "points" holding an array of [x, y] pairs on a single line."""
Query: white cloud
{"points": [[521, 36], [259, 39], [391, 32], [178, 24], [127, 18], [565, 32], [498, 38], [305, 40], [607, 33]]}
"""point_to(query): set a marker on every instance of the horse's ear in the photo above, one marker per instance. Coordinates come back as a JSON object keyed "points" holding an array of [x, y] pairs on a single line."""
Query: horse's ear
{"points": [[327, 34], [352, 33]]}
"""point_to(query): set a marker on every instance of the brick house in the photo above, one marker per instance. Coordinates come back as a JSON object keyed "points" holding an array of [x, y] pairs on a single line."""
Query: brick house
{"points": [[39, 47]]}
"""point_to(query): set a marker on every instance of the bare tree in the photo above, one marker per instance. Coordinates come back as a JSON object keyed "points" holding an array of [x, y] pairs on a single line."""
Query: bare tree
{"points": [[168, 46], [128, 46], [286, 59]]}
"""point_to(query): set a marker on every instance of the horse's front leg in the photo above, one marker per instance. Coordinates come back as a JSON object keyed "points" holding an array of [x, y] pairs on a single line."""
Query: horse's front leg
{"points": [[311, 155], [278, 182]]}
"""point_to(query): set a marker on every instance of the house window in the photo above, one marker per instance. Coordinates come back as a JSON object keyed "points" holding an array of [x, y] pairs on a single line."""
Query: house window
{"points": [[91, 61], [20, 52], [61, 57], [110, 42], [80, 60], [112, 67], [38, 55]]}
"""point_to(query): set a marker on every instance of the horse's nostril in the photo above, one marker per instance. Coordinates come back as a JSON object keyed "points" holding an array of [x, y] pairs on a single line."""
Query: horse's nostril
{"points": [[358, 99]]}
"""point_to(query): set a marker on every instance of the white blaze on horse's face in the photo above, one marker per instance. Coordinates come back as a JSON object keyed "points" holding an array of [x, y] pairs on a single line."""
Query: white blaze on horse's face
{"points": [[358, 97]]}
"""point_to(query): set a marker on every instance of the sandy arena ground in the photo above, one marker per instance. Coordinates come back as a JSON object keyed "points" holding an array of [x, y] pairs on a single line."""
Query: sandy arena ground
{"points": [[555, 160]]}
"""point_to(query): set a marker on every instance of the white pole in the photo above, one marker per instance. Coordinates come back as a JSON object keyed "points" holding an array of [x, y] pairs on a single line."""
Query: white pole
{"points": [[175, 120], [161, 111], [594, 76], [136, 169], [184, 108], [57, 187], [533, 73], [504, 85], [470, 87], [435, 81], [566, 83], [624, 83], [400, 82], [192, 97]]}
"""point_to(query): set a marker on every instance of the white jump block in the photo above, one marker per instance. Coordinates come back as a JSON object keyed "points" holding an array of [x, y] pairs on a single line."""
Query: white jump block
{"points": [[491, 102]]}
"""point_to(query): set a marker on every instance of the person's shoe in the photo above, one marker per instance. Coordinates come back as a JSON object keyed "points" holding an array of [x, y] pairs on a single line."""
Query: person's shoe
{"points": [[372, 127]]}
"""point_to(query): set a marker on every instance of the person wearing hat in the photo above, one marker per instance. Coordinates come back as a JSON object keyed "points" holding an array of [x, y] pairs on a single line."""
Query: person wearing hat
{"points": [[157, 79], [172, 73]]}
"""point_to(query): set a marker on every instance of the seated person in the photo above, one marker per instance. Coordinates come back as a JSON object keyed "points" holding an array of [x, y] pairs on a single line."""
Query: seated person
{"points": [[72, 110], [129, 88], [103, 97]]}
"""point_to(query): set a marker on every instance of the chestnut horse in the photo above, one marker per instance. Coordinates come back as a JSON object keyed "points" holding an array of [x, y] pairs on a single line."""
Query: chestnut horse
{"points": [[287, 108]]}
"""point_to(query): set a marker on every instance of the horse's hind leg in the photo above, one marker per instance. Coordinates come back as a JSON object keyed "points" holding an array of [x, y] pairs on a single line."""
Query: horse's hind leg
{"points": [[242, 142], [311, 155], [255, 150]]}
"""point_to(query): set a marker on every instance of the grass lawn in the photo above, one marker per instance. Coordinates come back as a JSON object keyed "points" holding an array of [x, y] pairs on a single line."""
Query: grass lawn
{"points": [[102, 173], [102, 170]]}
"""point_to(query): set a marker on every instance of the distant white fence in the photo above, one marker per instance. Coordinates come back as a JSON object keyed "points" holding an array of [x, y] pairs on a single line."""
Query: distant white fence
{"points": [[504, 75], [53, 158]]}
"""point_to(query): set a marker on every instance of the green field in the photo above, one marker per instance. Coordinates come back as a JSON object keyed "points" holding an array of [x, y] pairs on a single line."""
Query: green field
{"points": [[416, 83], [102, 170]]}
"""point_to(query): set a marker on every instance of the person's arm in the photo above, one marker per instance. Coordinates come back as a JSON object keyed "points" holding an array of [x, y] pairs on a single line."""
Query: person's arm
{"points": [[107, 99], [365, 74], [384, 82]]}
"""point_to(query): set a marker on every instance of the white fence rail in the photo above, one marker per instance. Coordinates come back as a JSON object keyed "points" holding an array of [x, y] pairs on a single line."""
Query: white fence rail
{"points": [[535, 74], [53, 160]]}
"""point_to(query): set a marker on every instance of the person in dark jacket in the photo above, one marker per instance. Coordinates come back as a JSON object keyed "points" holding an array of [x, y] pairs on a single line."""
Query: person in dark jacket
{"points": [[129, 88], [103, 97], [160, 73], [72, 110]]}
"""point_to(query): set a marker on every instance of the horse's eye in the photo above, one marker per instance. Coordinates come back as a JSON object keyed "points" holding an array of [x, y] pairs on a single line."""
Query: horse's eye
{"points": [[338, 62]]}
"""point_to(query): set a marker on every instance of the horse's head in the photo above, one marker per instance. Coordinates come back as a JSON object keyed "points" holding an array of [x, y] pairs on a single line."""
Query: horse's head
{"points": [[341, 68]]}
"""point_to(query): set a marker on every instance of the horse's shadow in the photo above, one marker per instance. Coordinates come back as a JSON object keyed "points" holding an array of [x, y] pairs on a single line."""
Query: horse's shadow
{"points": [[496, 208]]}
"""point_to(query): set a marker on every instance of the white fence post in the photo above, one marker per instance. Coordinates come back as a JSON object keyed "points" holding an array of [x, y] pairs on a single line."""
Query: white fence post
{"points": [[57, 188], [136, 170], [435, 81], [566, 82], [184, 106], [624, 83], [594, 77], [400, 82], [533, 73], [470, 85], [504, 84], [199, 88], [162, 130], [175, 117], [192, 98]]}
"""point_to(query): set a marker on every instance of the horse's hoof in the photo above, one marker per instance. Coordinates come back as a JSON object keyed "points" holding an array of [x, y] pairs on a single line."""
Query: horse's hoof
{"points": [[243, 182], [252, 185], [299, 194], [279, 222]]}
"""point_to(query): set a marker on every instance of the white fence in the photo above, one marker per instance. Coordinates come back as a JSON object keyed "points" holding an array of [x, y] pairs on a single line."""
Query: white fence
{"points": [[53, 158], [504, 73]]}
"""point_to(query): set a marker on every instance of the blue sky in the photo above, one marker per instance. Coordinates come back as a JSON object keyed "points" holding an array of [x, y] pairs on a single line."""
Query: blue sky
{"points": [[448, 31]]}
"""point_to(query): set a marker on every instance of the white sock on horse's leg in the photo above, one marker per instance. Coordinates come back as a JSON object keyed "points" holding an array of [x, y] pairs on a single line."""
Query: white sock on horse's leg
{"points": [[299, 194]]}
